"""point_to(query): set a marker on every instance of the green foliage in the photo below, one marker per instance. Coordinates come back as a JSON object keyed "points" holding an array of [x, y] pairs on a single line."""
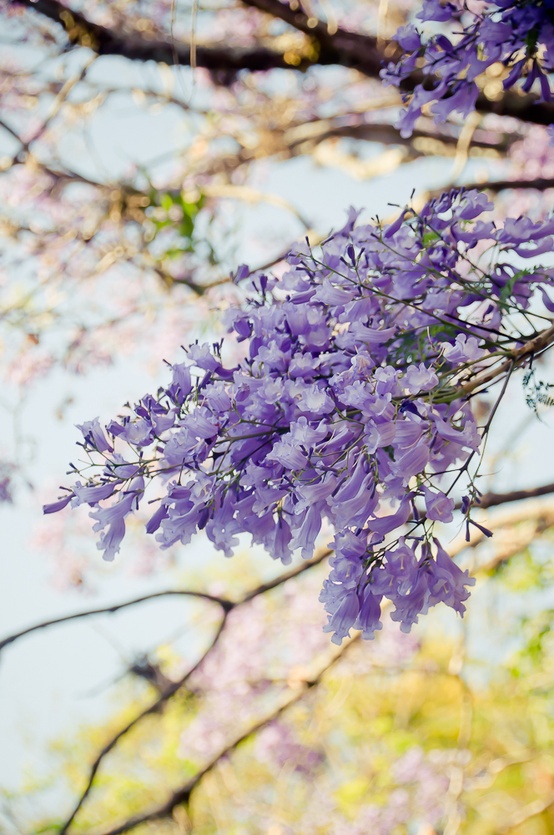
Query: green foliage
{"points": [[174, 212]]}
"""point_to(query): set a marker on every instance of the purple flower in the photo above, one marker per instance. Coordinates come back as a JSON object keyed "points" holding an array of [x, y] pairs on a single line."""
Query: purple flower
{"points": [[54, 507], [91, 494], [94, 436], [465, 349], [412, 462], [369, 615], [420, 378], [348, 406], [447, 582], [343, 604], [347, 561], [503, 33], [110, 521], [439, 508], [305, 534], [435, 10]]}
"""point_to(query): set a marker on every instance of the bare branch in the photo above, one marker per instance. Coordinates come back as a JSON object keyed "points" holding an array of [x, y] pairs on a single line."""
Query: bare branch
{"points": [[387, 134], [182, 795], [11, 131], [516, 531], [531, 810], [495, 499], [53, 111], [488, 500], [337, 46], [492, 499], [289, 575], [104, 41], [539, 183]]}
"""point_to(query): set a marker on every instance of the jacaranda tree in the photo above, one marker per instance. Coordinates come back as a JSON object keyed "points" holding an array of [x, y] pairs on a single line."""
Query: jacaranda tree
{"points": [[344, 415]]}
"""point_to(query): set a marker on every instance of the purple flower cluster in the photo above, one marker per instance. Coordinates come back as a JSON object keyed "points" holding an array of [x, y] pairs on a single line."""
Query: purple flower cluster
{"points": [[348, 405], [516, 33]]}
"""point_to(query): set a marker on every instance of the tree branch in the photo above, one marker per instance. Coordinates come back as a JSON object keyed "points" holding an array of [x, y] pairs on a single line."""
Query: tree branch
{"points": [[289, 575], [387, 134], [364, 53], [495, 499], [182, 795], [522, 528], [531, 810], [81, 31], [539, 183], [337, 46], [514, 358], [167, 693], [225, 604], [490, 499], [175, 686]]}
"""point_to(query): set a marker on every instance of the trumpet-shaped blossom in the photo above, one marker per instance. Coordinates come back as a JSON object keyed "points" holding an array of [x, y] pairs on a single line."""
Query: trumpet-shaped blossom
{"points": [[352, 404]]}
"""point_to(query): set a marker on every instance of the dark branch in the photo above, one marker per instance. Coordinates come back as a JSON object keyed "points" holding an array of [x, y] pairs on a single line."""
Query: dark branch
{"points": [[182, 795], [339, 47], [539, 183], [11, 131], [348, 49], [81, 31], [387, 134], [167, 693], [495, 499], [524, 108], [288, 575]]}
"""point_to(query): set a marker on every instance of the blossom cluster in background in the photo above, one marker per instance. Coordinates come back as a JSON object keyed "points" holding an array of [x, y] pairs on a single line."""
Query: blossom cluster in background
{"points": [[517, 37], [351, 404]]}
